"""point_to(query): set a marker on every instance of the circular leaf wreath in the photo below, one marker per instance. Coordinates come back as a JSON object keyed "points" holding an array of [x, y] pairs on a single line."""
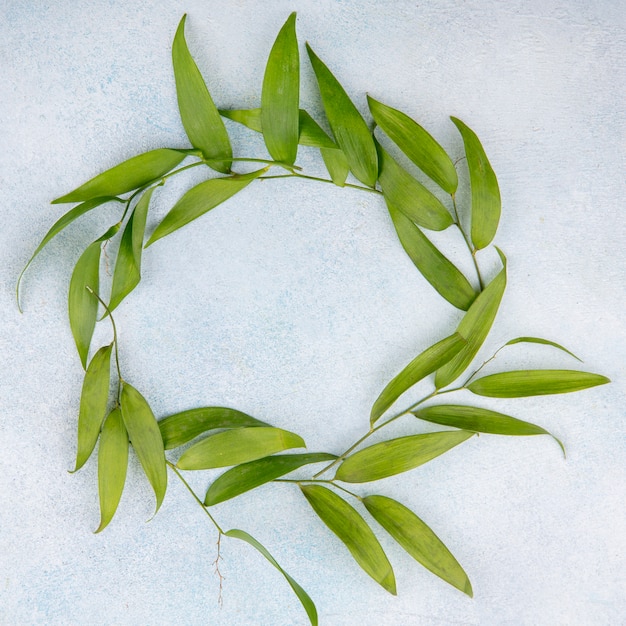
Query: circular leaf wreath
{"points": [[226, 437]]}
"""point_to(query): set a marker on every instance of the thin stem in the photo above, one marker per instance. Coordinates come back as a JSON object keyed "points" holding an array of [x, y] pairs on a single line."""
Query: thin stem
{"points": [[313, 480], [468, 243], [282, 164], [321, 180], [491, 358]]}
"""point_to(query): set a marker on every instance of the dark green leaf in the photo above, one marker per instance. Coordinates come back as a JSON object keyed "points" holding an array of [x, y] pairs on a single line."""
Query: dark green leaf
{"points": [[417, 144], [336, 164], [245, 477], [418, 540], [425, 363], [304, 598], [200, 117], [545, 342], [397, 455], [349, 128], [354, 532]]}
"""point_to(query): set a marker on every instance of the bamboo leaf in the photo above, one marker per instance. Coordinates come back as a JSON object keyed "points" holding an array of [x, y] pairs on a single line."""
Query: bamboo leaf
{"points": [[421, 366], [545, 342], [93, 403], [418, 540], [302, 595], [388, 458], [350, 130], [523, 383], [126, 176], [336, 164], [145, 437], [475, 327], [200, 199], [242, 478], [438, 270], [353, 531], [179, 428], [112, 465], [416, 143], [281, 95], [198, 113], [486, 203], [240, 445]]}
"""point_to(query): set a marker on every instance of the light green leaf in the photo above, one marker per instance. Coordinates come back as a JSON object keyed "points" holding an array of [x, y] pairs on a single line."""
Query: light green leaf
{"points": [[128, 175], [112, 464], [418, 540], [523, 383], [416, 143], [200, 199], [425, 363], [475, 327], [352, 529], [236, 446], [93, 403], [349, 128], [145, 437], [281, 95], [248, 476], [438, 270], [486, 203], [179, 428], [198, 113], [545, 342], [304, 598], [397, 455], [336, 164]]}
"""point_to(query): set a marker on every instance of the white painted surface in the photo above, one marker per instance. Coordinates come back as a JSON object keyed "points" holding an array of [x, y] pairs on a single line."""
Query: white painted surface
{"points": [[296, 304]]}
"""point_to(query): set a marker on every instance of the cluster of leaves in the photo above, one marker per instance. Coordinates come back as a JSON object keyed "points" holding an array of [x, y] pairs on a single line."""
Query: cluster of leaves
{"points": [[249, 447]]}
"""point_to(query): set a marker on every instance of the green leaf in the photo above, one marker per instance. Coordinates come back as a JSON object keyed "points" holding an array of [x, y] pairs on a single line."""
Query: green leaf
{"points": [[421, 366], [304, 598], [112, 464], [397, 455], [179, 428], [349, 128], [486, 203], [127, 272], [145, 437], [198, 113], [523, 383], [236, 446], [418, 540], [126, 176], [248, 476], [200, 199], [545, 342], [352, 529], [280, 97], [475, 327], [439, 271], [93, 403], [336, 164], [416, 143]]}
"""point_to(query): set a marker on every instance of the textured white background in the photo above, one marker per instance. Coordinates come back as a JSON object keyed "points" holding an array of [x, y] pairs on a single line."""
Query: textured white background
{"points": [[295, 303]]}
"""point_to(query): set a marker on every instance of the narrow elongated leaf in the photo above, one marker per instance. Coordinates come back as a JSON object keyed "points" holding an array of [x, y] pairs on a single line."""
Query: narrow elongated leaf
{"points": [[397, 455], [545, 342], [126, 176], [127, 272], [198, 113], [352, 529], [240, 445], [145, 437], [350, 130], [112, 464], [486, 203], [418, 540], [523, 383], [438, 270], [336, 164], [425, 363], [93, 403], [416, 143], [474, 327], [248, 476], [304, 598], [280, 97], [180, 428], [407, 194], [200, 199]]}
